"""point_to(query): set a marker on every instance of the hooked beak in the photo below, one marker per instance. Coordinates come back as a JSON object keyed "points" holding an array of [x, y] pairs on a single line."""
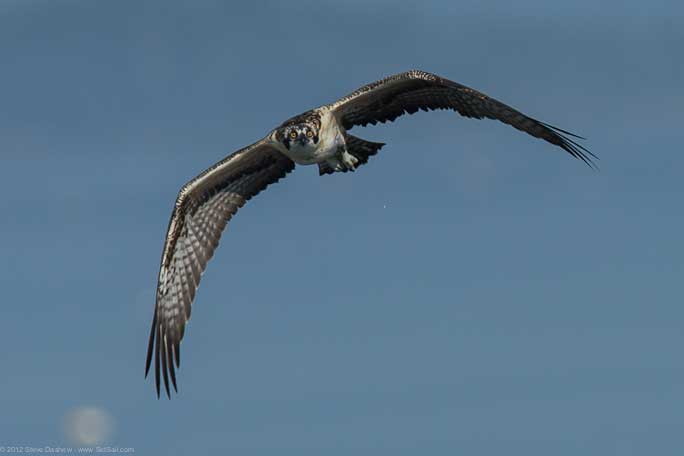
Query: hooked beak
{"points": [[302, 139]]}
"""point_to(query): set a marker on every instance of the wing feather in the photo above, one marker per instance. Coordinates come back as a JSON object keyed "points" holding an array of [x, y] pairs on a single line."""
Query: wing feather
{"points": [[408, 92], [203, 208]]}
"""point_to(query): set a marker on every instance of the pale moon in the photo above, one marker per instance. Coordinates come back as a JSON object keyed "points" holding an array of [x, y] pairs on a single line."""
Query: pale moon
{"points": [[88, 425]]}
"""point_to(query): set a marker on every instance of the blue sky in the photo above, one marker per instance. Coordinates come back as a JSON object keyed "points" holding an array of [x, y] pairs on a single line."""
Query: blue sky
{"points": [[504, 297]]}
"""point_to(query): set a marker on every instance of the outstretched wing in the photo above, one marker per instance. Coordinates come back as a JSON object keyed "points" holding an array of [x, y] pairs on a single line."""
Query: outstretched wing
{"points": [[389, 98], [203, 208]]}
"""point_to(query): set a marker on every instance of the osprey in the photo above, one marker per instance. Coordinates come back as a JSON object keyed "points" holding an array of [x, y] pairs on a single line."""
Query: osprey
{"points": [[206, 203]]}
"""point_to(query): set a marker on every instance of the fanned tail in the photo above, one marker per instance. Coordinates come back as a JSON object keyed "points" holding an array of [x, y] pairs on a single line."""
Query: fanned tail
{"points": [[359, 148], [362, 149]]}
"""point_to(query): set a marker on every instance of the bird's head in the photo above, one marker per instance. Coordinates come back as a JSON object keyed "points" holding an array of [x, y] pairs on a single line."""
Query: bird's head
{"points": [[301, 134]]}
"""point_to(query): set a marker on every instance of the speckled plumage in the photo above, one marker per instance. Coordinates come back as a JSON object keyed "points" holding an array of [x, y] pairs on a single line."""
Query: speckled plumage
{"points": [[319, 136]]}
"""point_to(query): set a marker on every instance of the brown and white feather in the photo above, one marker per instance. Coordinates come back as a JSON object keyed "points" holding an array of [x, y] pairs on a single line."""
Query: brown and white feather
{"points": [[203, 208], [406, 93]]}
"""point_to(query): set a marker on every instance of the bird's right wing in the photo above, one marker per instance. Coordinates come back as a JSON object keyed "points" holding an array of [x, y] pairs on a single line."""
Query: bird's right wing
{"points": [[203, 208]]}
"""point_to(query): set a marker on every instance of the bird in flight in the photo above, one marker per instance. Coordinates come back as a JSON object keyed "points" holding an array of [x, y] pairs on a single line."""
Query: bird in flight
{"points": [[319, 136]]}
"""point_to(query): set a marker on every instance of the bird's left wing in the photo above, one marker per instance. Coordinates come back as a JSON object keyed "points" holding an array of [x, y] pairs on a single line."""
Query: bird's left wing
{"points": [[414, 90], [203, 208]]}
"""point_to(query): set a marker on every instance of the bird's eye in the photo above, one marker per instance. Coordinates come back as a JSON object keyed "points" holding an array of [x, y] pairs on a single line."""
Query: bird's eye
{"points": [[309, 134], [293, 134]]}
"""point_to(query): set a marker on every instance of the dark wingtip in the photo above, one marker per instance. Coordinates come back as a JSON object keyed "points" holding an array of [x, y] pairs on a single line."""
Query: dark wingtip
{"points": [[165, 369], [156, 361], [172, 369], [164, 358], [552, 127], [150, 343], [572, 147]]}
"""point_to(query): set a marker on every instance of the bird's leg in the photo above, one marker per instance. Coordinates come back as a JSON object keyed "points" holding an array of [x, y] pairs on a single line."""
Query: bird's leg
{"points": [[346, 160], [342, 160]]}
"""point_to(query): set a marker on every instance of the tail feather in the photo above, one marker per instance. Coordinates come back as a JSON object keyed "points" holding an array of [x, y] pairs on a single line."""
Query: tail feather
{"points": [[359, 148], [362, 149]]}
